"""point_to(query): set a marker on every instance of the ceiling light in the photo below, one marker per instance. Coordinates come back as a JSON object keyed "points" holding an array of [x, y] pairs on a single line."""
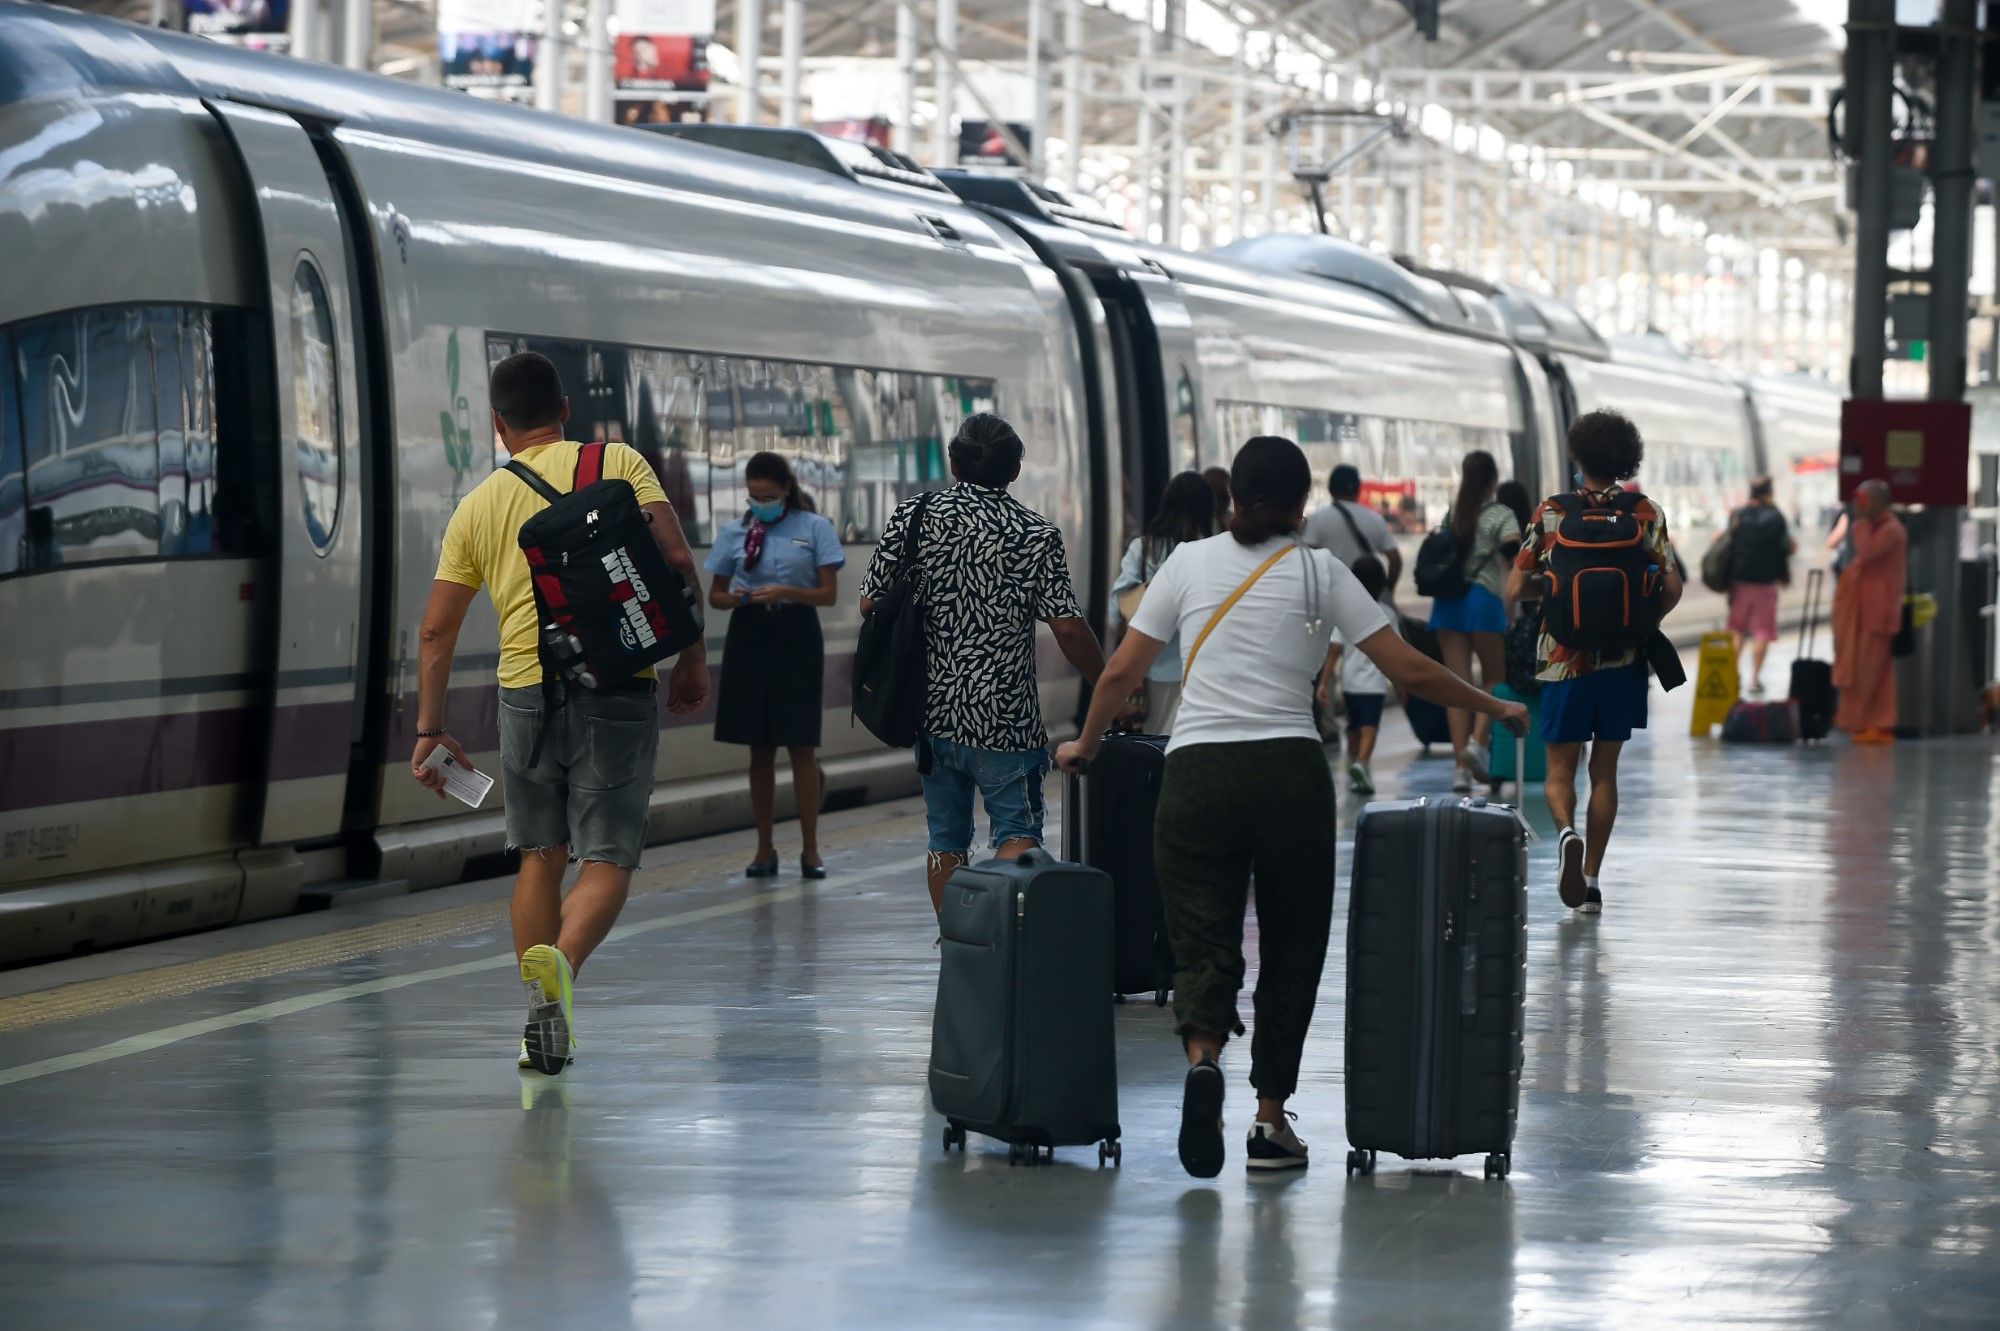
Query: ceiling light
{"points": [[1592, 29]]}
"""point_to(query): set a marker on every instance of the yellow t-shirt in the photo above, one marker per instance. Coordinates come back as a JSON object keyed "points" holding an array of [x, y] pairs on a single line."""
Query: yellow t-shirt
{"points": [[482, 542]]}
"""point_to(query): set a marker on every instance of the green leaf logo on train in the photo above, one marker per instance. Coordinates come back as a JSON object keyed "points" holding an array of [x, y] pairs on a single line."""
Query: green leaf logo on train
{"points": [[455, 423]]}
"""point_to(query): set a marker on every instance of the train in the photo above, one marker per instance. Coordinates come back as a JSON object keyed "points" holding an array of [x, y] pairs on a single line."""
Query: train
{"points": [[246, 338]]}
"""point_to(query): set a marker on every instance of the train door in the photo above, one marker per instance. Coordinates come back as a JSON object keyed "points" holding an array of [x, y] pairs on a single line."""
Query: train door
{"points": [[1157, 410], [313, 598]]}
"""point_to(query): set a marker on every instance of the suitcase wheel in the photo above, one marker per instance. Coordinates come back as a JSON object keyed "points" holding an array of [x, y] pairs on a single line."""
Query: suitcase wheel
{"points": [[1019, 1154], [1360, 1162], [954, 1135], [1498, 1163], [1159, 998], [1110, 1151]]}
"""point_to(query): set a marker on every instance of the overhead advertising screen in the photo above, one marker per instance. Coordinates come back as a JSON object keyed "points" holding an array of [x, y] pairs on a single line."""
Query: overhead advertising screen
{"points": [[262, 25], [487, 47], [659, 62]]}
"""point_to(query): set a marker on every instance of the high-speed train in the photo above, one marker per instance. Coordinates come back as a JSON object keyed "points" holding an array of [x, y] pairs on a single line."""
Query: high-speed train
{"points": [[246, 321]]}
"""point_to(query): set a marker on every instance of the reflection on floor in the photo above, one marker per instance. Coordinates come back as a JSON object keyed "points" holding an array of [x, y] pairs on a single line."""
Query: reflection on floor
{"points": [[1763, 1088]]}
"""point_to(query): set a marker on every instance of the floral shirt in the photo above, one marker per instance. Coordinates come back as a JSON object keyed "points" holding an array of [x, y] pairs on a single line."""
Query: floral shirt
{"points": [[1558, 662]]}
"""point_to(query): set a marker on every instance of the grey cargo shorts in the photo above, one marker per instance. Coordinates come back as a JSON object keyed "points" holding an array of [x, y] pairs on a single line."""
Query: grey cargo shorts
{"points": [[590, 785]]}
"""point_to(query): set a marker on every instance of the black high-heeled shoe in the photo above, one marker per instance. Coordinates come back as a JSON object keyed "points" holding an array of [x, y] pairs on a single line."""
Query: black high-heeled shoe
{"points": [[764, 868], [811, 870]]}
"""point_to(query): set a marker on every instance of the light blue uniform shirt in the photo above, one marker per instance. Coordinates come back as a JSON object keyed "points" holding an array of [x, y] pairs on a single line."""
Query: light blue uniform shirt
{"points": [[796, 547], [1166, 667]]}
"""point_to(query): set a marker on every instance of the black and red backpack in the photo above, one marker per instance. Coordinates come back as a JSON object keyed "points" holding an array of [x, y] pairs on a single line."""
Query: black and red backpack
{"points": [[607, 601], [1603, 585]]}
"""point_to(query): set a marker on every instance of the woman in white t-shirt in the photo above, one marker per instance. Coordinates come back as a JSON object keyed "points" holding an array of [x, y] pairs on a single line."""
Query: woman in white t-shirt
{"points": [[1247, 786]]}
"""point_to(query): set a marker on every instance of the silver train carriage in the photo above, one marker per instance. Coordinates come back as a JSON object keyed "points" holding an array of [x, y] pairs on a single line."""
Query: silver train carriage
{"points": [[245, 384]]}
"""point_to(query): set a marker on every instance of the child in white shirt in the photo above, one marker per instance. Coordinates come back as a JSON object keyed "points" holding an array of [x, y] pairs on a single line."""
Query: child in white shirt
{"points": [[1363, 685]]}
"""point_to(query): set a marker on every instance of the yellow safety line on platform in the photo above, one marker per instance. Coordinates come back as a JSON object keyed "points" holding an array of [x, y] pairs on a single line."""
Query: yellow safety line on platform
{"points": [[151, 1040], [90, 997]]}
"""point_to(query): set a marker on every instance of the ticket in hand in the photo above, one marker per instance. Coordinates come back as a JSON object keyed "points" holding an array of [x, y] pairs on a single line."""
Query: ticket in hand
{"points": [[464, 784]]}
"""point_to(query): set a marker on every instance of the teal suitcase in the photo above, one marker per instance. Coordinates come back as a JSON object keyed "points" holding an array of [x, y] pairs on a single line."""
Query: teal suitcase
{"points": [[1507, 764]]}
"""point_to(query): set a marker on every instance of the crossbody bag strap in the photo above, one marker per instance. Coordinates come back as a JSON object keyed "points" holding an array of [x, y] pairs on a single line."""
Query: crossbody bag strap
{"points": [[1354, 527], [589, 466], [1229, 605]]}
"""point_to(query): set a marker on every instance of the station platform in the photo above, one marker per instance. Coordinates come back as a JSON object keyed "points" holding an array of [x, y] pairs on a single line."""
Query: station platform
{"points": [[1760, 1089]]}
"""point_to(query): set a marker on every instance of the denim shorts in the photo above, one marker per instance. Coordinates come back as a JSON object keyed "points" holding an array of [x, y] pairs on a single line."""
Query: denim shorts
{"points": [[1478, 611], [1011, 783], [591, 784], [1605, 704]]}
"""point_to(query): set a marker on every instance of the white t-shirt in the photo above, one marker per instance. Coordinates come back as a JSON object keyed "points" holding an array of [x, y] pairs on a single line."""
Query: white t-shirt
{"points": [[1329, 530], [1358, 674], [1254, 677]]}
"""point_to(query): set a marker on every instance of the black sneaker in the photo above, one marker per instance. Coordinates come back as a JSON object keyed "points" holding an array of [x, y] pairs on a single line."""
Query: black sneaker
{"points": [[1201, 1120], [1569, 859], [1274, 1147], [1593, 902]]}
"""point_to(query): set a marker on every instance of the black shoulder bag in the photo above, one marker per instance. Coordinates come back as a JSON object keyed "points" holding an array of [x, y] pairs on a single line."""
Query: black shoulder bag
{"points": [[890, 678]]}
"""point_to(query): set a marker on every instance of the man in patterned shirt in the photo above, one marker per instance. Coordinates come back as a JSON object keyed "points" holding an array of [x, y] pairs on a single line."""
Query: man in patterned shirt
{"points": [[1588, 697], [991, 569]]}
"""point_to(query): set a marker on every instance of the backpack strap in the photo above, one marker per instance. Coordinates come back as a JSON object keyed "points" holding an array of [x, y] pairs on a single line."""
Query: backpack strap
{"points": [[589, 466], [1229, 605], [537, 484]]}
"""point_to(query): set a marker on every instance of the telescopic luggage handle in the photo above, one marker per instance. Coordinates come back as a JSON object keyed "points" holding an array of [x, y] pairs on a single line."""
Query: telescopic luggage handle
{"points": [[1815, 597]]}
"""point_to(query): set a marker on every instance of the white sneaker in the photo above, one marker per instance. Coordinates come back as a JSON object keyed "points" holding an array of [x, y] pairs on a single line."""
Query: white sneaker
{"points": [[1358, 779], [1477, 761], [1461, 781], [1274, 1147]]}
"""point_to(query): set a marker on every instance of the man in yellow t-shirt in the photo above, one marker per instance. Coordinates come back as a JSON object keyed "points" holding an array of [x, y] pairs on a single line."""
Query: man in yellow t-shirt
{"points": [[585, 794]]}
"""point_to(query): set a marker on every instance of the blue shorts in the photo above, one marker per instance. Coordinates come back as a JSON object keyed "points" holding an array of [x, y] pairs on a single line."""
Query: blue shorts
{"points": [[1478, 611], [1364, 709], [1605, 704], [1010, 782]]}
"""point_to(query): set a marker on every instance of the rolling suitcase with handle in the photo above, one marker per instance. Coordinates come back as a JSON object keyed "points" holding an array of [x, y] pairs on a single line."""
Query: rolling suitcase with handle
{"points": [[1429, 722], [1812, 680], [1021, 1038], [1436, 976], [1108, 824]]}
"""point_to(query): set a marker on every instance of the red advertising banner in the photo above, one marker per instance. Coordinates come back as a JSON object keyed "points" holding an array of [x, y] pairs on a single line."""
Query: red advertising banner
{"points": [[1922, 449]]}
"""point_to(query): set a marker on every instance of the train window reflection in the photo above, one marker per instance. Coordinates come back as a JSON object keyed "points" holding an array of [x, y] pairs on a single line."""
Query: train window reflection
{"points": [[13, 484], [1409, 469], [316, 434], [184, 391], [859, 440], [90, 446]]}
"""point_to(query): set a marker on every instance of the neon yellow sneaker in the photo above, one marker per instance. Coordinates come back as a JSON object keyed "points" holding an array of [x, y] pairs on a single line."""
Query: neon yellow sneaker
{"points": [[546, 976]]}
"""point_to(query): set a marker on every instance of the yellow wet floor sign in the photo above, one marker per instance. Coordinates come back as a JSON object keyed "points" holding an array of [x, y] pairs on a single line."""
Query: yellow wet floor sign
{"points": [[1716, 684]]}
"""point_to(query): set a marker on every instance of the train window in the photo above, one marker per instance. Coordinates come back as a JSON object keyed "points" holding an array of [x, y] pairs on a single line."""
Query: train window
{"points": [[859, 440], [90, 442], [316, 433], [1409, 469], [13, 484]]}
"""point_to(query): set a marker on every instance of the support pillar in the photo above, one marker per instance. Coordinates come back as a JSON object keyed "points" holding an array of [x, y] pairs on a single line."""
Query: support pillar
{"points": [[549, 59], [597, 61], [1143, 166], [791, 55], [357, 35], [1270, 150], [306, 29], [944, 77], [1870, 65], [904, 132], [1175, 45], [1073, 90], [1038, 83], [750, 54], [1239, 135]]}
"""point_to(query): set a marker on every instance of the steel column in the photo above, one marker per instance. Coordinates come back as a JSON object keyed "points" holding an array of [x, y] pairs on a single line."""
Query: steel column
{"points": [[549, 58], [791, 59], [357, 35], [1870, 65], [597, 61], [944, 77], [306, 29], [1073, 89], [749, 54], [1177, 146], [904, 131], [1239, 134], [1038, 83]]}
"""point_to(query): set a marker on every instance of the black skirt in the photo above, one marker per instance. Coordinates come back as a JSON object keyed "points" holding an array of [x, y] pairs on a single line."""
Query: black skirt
{"points": [[772, 664]]}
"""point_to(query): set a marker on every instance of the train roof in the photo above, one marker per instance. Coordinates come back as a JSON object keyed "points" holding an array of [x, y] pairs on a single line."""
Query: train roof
{"points": [[50, 53]]}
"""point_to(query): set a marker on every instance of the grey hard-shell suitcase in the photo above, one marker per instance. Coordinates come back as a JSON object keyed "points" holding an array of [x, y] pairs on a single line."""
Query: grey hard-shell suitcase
{"points": [[1021, 1040], [1108, 815], [1436, 975]]}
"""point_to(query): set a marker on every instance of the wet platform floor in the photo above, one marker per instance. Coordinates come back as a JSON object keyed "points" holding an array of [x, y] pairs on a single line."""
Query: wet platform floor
{"points": [[1763, 1089]]}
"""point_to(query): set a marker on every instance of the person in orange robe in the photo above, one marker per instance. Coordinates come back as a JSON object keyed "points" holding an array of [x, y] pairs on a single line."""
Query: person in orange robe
{"points": [[1867, 612]]}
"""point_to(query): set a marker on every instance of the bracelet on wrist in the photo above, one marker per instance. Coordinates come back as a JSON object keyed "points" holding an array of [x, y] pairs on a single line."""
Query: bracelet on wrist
{"points": [[432, 734]]}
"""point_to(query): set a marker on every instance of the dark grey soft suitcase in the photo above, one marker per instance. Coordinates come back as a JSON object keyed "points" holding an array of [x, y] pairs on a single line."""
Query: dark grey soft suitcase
{"points": [[1108, 817], [1021, 1039], [1436, 974]]}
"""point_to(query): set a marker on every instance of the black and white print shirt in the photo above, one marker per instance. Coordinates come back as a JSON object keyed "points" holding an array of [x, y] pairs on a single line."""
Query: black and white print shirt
{"points": [[991, 568]]}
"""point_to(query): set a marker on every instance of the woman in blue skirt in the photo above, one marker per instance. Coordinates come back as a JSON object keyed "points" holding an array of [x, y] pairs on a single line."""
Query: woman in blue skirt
{"points": [[1475, 625]]}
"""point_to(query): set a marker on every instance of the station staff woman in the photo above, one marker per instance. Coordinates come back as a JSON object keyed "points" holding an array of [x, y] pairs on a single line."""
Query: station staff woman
{"points": [[1247, 786], [772, 567]]}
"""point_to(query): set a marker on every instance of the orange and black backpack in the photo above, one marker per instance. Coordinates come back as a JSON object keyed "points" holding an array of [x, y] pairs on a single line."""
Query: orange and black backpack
{"points": [[1603, 585]]}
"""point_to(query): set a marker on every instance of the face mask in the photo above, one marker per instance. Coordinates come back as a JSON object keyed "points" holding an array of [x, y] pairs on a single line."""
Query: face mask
{"points": [[770, 512]]}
